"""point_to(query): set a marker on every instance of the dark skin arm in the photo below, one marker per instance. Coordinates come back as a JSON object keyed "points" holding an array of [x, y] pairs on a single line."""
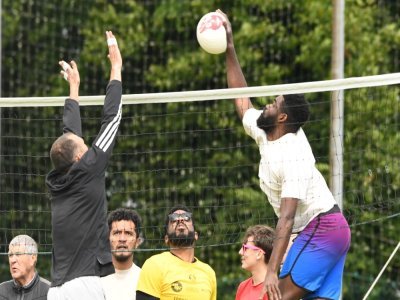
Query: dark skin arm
{"points": [[235, 75], [283, 231]]}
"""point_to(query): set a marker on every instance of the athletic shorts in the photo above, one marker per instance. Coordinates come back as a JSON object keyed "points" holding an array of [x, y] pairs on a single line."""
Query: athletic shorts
{"points": [[316, 259], [86, 287]]}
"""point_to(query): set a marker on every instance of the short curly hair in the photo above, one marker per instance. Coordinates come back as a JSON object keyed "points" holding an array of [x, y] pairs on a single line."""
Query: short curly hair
{"points": [[124, 214], [297, 109]]}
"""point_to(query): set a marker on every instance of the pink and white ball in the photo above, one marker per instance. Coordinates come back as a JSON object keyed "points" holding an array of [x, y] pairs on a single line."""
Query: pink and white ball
{"points": [[211, 33]]}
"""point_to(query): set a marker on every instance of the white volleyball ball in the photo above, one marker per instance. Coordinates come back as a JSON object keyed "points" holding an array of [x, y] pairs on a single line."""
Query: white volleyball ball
{"points": [[211, 33]]}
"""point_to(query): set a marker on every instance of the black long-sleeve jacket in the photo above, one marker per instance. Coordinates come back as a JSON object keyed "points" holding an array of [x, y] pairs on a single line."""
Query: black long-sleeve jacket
{"points": [[37, 289], [79, 207]]}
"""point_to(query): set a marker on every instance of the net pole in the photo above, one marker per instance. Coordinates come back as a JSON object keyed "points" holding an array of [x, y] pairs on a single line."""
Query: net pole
{"points": [[1, 88], [381, 272], [337, 104]]}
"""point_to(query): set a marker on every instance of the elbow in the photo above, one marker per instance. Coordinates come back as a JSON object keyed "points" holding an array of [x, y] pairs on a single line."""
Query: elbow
{"points": [[286, 221]]}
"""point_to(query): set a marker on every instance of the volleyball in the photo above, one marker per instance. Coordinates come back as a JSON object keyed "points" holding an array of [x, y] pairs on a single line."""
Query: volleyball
{"points": [[211, 33]]}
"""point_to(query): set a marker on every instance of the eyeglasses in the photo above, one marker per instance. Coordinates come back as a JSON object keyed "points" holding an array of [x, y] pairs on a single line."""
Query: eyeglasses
{"points": [[246, 246], [186, 216]]}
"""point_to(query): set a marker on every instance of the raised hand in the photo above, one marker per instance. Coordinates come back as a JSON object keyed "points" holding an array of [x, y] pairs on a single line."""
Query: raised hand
{"points": [[228, 28], [70, 73], [114, 55]]}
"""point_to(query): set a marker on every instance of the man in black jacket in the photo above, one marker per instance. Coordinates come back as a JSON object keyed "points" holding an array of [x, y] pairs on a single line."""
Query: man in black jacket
{"points": [[81, 249], [26, 283]]}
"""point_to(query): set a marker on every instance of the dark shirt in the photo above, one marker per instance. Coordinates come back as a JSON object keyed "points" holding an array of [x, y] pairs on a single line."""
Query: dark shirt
{"points": [[79, 208], [36, 290]]}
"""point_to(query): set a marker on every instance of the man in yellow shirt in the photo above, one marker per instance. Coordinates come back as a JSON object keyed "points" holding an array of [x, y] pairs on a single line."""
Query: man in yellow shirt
{"points": [[177, 274]]}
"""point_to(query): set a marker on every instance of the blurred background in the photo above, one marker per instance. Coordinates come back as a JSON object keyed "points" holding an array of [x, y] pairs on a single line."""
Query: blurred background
{"points": [[197, 153]]}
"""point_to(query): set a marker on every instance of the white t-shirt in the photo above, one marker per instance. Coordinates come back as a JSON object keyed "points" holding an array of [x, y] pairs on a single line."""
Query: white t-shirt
{"points": [[287, 170], [122, 284]]}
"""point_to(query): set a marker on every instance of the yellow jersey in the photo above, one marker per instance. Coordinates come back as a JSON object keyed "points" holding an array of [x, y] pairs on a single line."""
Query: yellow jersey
{"points": [[167, 277]]}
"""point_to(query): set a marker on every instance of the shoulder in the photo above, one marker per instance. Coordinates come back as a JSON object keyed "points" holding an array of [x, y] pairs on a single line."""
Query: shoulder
{"points": [[7, 291], [108, 278], [135, 268], [300, 145], [206, 267], [244, 283], [250, 124], [134, 271], [6, 285], [157, 259], [251, 115], [44, 281], [241, 290]]}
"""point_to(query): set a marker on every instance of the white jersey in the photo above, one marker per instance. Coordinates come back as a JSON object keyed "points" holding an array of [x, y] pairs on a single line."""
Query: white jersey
{"points": [[287, 170], [122, 284]]}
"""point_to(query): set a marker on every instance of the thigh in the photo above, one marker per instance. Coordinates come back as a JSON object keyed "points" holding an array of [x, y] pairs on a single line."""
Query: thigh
{"points": [[332, 285], [290, 290], [317, 251]]}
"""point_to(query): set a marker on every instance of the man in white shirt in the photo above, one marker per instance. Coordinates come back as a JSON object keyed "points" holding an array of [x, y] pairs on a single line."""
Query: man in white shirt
{"points": [[298, 193], [125, 237]]}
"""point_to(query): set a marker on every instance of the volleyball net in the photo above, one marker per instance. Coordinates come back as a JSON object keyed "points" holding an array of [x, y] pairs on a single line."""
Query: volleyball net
{"points": [[190, 148]]}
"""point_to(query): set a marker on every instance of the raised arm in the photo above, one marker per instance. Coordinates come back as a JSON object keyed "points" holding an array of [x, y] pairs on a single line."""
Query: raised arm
{"points": [[114, 56], [112, 109], [235, 75], [71, 118]]}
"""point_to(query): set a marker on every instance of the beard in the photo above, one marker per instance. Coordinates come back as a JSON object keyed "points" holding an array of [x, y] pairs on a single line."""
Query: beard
{"points": [[266, 123], [181, 240], [123, 257]]}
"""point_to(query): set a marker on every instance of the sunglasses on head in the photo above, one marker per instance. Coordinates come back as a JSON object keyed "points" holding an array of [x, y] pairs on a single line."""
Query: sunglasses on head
{"points": [[174, 217], [252, 247]]}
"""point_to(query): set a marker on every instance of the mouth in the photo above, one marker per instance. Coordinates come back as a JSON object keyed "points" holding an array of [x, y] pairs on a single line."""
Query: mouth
{"points": [[121, 248], [181, 227]]}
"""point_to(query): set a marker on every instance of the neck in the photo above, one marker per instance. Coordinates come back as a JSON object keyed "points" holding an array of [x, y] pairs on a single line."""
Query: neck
{"points": [[122, 265], [277, 133], [26, 280], [258, 274], [185, 254]]}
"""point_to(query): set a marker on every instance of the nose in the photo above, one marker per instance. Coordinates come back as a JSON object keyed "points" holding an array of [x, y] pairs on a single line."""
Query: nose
{"points": [[122, 237], [266, 107]]}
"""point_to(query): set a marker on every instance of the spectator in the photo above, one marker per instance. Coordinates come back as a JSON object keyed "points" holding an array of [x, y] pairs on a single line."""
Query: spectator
{"points": [[125, 237], [255, 253], [26, 283], [177, 273]]}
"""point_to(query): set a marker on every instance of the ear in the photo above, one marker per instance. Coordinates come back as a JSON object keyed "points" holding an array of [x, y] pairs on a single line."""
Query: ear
{"points": [[33, 260], [282, 117], [196, 236], [166, 240], [139, 241], [78, 157]]}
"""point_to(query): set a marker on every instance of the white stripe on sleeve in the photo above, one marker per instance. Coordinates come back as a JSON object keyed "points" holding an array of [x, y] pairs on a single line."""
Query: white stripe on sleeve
{"points": [[109, 133]]}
